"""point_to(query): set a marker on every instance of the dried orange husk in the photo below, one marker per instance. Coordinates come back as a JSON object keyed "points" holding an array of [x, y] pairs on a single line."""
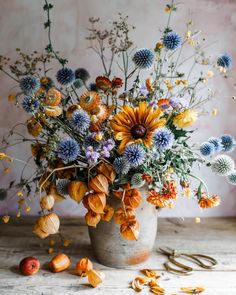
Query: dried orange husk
{"points": [[71, 110], [150, 273], [121, 215], [92, 218], [158, 290], [53, 97], [53, 192], [37, 150], [95, 277], [53, 111], [95, 126], [99, 184], [83, 266], [97, 202], [85, 202], [130, 229], [89, 100], [138, 282], [133, 198], [77, 189], [108, 171], [193, 290], [59, 263], [34, 127], [108, 213], [47, 202], [47, 225]]}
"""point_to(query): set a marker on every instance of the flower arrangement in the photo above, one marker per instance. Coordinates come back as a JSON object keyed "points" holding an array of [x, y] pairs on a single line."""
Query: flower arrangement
{"points": [[92, 141]]}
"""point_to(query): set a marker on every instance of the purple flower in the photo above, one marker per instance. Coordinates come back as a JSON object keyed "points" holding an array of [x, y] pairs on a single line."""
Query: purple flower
{"points": [[109, 144], [143, 90], [175, 103], [91, 155], [105, 153]]}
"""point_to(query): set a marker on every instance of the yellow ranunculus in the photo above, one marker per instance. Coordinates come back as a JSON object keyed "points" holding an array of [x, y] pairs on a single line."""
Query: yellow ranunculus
{"points": [[185, 119]]}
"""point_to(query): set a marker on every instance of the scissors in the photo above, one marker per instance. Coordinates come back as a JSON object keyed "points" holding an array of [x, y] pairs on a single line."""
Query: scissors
{"points": [[201, 260]]}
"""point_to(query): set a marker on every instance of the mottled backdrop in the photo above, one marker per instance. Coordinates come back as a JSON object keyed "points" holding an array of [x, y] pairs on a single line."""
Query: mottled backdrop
{"points": [[21, 23]]}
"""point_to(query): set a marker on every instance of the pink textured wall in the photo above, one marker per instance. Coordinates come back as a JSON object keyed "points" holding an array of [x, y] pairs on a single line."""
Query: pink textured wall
{"points": [[21, 23]]}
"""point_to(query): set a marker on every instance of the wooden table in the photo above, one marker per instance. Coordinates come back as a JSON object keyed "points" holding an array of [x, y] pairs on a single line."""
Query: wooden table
{"points": [[215, 237]]}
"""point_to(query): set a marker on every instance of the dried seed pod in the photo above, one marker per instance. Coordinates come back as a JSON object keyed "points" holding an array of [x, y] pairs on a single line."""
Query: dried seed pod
{"points": [[107, 213], [47, 225], [59, 263], [133, 198], [122, 215], [77, 189], [83, 266], [130, 229], [92, 218], [95, 277], [108, 171], [47, 202], [99, 184], [97, 202]]}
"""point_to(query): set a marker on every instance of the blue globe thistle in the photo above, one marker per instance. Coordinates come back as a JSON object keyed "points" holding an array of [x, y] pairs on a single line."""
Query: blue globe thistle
{"points": [[82, 74], [144, 58], [163, 139], [207, 149], [228, 143], [80, 120], [78, 83], [231, 178], [65, 76], [93, 86], [68, 149], [134, 154], [62, 186], [222, 165], [172, 40], [30, 105], [225, 61], [29, 84], [216, 142], [121, 166]]}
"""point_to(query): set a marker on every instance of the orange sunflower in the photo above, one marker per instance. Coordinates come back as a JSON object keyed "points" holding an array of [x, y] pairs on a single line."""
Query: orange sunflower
{"points": [[136, 124]]}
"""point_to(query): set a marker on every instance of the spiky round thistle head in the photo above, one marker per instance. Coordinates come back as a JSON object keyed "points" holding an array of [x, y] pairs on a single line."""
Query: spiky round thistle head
{"points": [[93, 86], [68, 149], [228, 143], [82, 74], [137, 180], [163, 139], [62, 186], [65, 76], [30, 104], [225, 61], [78, 83], [144, 58], [29, 84], [172, 40], [134, 154], [121, 166], [216, 142], [80, 120], [222, 165], [207, 149], [231, 178]]}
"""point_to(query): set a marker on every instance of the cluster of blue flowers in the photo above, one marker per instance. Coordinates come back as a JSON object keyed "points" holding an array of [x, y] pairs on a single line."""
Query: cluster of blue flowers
{"points": [[224, 143], [80, 120], [30, 104], [144, 58], [66, 76], [163, 139], [172, 41], [68, 150]]}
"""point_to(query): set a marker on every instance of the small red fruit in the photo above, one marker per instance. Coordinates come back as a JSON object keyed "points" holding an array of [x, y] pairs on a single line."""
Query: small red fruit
{"points": [[29, 266]]}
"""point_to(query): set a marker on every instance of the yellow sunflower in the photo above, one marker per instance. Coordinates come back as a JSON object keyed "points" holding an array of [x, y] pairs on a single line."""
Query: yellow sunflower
{"points": [[136, 124]]}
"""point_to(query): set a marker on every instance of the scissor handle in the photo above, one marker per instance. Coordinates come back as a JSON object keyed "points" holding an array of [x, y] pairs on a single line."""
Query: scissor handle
{"points": [[182, 271], [194, 257]]}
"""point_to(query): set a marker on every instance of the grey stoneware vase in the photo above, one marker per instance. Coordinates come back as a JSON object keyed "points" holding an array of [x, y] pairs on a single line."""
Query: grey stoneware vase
{"points": [[112, 250]]}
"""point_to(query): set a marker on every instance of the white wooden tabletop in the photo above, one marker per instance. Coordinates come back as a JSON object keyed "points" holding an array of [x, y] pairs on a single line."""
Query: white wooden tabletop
{"points": [[215, 237]]}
